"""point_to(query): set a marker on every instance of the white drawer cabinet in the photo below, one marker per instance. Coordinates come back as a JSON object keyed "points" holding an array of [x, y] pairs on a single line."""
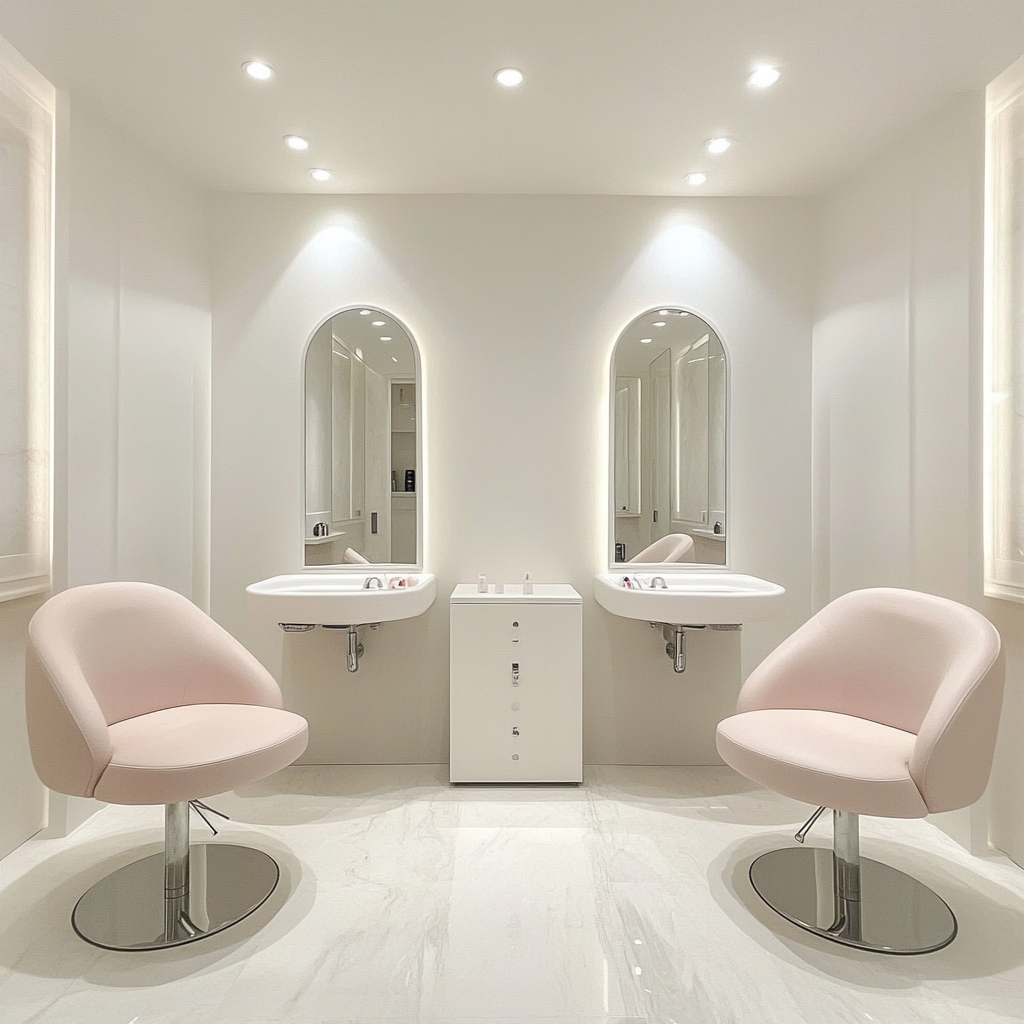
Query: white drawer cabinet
{"points": [[517, 685]]}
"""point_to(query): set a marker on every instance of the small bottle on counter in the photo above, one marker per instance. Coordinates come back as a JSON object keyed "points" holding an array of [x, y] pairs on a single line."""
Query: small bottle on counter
{"points": [[481, 584], [527, 585]]}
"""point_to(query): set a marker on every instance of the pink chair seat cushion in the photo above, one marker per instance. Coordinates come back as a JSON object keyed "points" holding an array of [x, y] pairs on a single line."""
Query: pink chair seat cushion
{"points": [[822, 757], [197, 750]]}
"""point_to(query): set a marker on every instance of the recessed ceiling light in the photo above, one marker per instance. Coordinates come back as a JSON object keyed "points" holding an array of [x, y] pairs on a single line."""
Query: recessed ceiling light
{"points": [[296, 142], [365, 312], [763, 76], [662, 312], [509, 77], [646, 341], [258, 70], [385, 338], [719, 145], [696, 178], [658, 323], [394, 359], [378, 323], [319, 174]]}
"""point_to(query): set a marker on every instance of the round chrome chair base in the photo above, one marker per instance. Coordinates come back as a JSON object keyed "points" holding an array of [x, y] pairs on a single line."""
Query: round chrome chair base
{"points": [[127, 909], [898, 914]]}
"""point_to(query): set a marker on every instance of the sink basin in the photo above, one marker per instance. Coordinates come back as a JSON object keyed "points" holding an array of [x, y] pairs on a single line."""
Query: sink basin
{"points": [[693, 598], [339, 599]]}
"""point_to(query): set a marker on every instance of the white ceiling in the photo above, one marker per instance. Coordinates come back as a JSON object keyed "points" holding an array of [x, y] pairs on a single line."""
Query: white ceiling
{"points": [[620, 95]]}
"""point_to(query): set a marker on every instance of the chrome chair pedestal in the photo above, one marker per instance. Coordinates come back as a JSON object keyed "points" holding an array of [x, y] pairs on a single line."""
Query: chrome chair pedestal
{"points": [[853, 901], [181, 895]]}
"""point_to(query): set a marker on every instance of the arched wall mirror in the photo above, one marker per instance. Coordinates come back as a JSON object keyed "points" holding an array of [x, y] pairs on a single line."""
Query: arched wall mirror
{"points": [[669, 414], [363, 489]]}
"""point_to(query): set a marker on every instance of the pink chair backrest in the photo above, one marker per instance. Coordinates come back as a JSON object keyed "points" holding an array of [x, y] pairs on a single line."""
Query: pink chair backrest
{"points": [[104, 653], [673, 547], [912, 661]]}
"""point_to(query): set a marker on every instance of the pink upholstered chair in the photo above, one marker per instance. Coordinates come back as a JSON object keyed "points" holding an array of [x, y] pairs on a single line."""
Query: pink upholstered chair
{"points": [[135, 696], [673, 547], [887, 703]]}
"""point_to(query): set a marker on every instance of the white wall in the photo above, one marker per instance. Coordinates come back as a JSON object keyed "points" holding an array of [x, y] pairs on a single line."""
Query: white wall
{"points": [[131, 409], [515, 303], [136, 424], [22, 797], [1006, 791], [897, 374]]}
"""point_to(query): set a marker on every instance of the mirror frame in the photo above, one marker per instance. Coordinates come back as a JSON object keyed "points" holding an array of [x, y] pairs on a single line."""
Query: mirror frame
{"points": [[614, 566], [361, 567]]}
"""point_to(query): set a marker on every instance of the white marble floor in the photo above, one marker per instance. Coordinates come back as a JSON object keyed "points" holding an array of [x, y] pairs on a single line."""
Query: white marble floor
{"points": [[405, 899]]}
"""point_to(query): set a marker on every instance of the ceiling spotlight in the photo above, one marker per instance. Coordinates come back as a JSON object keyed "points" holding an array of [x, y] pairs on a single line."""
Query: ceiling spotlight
{"points": [[719, 145], [662, 312], [394, 359], [378, 323], [646, 341], [258, 70], [296, 142], [385, 338], [365, 312], [658, 323], [696, 178], [763, 76], [509, 77], [319, 174]]}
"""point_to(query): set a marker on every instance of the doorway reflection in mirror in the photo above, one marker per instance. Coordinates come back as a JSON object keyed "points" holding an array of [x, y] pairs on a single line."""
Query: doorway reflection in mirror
{"points": [[668, 430], [362, 486]]}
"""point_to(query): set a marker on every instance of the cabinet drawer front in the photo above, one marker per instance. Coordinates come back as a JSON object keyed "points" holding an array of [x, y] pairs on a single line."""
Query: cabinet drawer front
{"points": [[516, 689]]}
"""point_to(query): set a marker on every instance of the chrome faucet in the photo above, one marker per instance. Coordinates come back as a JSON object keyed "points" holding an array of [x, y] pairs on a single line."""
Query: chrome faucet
{"points": [[369, 580], [658, 583]]}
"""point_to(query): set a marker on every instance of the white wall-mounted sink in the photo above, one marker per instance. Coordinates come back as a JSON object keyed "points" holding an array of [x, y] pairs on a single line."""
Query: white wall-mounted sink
{"points": [[341, 599], [693, 598]]}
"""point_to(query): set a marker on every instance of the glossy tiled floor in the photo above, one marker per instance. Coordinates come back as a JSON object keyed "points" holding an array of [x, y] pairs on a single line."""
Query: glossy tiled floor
{"points": [[404, 899]]}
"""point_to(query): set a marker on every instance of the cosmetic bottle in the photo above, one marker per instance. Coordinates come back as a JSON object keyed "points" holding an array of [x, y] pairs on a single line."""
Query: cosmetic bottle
{"points": [[481, 584], [527, 585]]}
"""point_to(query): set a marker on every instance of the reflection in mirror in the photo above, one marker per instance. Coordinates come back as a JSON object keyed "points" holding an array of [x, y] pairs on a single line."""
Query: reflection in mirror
{"points": [[668, 430], [362, 442]]}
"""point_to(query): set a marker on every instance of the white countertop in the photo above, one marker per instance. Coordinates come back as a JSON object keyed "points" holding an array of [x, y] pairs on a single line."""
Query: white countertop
{"points": [[543, 593]]}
